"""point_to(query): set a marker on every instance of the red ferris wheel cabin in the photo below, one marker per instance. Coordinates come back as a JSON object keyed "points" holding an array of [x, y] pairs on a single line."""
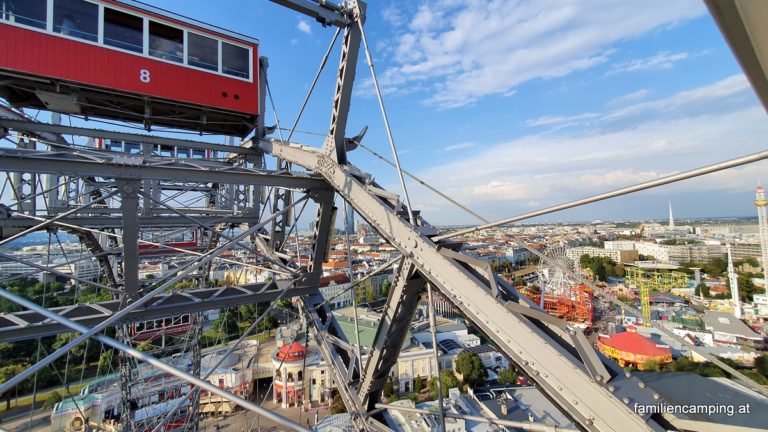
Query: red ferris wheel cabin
{"points": [[127, 61]]}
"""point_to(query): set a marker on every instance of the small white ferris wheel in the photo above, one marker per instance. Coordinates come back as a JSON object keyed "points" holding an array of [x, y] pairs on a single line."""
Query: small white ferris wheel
{"points": [[554, 271]]}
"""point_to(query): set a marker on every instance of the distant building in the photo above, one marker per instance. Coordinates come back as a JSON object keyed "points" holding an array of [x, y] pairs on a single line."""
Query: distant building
{"points": [[741, 250], [491, 358], [523, 404], [760, 302], [335, 290], [619, 256], [729, 330]]}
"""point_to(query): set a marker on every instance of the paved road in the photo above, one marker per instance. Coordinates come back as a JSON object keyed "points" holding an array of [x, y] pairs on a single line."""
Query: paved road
{"points": [[247, 421], [238, 422], [40, 421]]}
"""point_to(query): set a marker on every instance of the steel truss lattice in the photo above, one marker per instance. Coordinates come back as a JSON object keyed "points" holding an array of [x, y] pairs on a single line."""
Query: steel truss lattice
{"points": [[111, 200]]}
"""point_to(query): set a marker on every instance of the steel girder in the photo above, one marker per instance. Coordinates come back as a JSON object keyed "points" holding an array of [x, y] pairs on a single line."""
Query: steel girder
{"points": [[99, 222], [47, 131], [138, 167], [30, 325], [558, 372], [395, 321]]}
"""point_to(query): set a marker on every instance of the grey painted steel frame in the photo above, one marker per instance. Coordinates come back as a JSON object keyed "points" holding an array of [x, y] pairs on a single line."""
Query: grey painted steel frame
{"points": [[29, 325], [63, 163], [559, 374], [45, 130]]}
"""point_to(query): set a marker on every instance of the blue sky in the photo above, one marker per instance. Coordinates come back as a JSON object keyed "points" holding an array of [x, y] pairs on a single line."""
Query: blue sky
{"points": [[510, 106]]}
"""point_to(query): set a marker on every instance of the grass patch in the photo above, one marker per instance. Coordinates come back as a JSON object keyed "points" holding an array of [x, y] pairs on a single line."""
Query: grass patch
{"points": [[25, 402]]}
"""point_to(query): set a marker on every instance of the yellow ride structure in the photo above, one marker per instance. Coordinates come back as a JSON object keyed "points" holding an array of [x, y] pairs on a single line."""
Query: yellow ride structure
{"points": [[645, 281]]}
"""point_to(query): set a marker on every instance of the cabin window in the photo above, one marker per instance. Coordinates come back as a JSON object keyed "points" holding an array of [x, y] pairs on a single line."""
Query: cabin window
{"points": [[234, 60], [132, 147], [113, 145], [203, 52], [76, 18], [166, 42], [198, 154], [124, 31], [26, 12], [166, 151]]}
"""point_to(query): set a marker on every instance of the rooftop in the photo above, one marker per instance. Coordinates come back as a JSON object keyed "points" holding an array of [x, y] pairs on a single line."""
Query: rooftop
{"points": [[523, 403], [480, 349], [688, 388], [725, 322], [632, 342]]}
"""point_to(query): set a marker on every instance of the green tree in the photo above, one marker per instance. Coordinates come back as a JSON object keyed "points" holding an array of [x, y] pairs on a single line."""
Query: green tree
{"points": [[508, 376], [269, 323], [702, 289], [285, 303], [715, 266], [8, 372], [756, 377], [471, 368], [370, 294], [64, 338], [413, 397], [385, 287], [447, 382], [418, 386], [250, 312], [683, 364], [337, 405], [106, 361], [746, 287], [389, 388], [652, 365], [226, 324], [710, 370], [52, 400], [519, 282], [761, 364], [585, 260]]}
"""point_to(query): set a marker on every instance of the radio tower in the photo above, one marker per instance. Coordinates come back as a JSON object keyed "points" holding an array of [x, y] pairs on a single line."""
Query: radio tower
{"points": [[671, 219], [762, 222], [734, 284]]}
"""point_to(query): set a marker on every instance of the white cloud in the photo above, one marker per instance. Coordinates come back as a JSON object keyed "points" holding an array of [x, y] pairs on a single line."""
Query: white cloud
{"points": [[460, 146], [559, 120], [461, 51], [630, 97], [304, 27], [661, 60], [393, 15], [625, 146]]}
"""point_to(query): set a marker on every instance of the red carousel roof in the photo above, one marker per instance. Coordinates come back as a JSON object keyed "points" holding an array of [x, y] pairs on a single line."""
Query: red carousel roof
{"points": [[290, 353], [631, 342]]}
